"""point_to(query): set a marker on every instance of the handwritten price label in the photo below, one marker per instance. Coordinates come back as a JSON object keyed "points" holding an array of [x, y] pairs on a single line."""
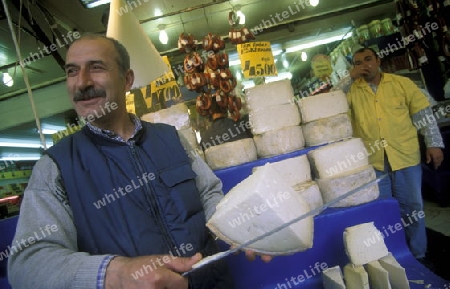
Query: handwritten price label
{"points": [[257, 59]]}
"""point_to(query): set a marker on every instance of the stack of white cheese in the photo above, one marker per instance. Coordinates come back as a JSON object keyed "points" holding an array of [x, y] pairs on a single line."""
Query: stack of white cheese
{"points": [[296, 172], [275, 118], [258, 205], [324, 118], [177, 116], [341, 167], [371, 265]]}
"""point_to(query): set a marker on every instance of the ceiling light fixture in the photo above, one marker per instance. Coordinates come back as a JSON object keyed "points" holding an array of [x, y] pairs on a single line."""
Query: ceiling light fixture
{"points": [[7, 79], [240, 14], [304, 56], [163, 37], [94, 3], [328, 39], [32, 145], [314, 3], [21, 158]]}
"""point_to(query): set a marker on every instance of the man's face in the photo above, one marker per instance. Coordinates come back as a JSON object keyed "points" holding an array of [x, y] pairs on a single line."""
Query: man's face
{"points": [[367, 64], [94, 78]]}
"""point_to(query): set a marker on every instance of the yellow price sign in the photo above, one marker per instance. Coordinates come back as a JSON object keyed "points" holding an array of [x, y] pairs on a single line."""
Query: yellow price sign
{"points": [[131, 107], [165, 87], [257, 59]]}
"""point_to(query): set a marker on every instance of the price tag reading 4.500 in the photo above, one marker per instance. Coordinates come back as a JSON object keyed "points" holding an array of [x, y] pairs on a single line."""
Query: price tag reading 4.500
{"points": [[257, 59]]}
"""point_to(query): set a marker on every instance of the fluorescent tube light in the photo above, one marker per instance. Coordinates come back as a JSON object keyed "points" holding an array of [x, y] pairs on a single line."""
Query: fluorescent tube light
{"points": [[94, 3], [318, 42], [24, 158], [21, 144]]}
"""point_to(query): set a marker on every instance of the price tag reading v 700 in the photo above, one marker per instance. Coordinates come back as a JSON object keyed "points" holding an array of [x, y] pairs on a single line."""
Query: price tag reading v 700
{"points": [[257, 59]]}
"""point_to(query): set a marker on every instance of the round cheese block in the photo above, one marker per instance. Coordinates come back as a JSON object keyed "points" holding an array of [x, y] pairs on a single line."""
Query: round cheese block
{"points": [[231, 154]]}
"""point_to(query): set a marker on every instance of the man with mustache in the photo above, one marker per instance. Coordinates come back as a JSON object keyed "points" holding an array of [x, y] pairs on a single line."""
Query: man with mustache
{"points": [[126, 195], [383, 107]]}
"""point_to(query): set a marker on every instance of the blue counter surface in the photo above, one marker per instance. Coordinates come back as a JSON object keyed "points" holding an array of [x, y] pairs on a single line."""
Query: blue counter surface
{"points": [[303, 270]]}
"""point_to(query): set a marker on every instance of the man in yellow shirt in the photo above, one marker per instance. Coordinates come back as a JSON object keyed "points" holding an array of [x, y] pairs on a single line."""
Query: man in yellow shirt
{"points": [[385, 108]]}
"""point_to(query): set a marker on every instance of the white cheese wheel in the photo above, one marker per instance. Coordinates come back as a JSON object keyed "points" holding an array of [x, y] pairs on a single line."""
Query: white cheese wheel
{"points": [[327, 130], [356, 277], [278, 142], [332, 278], [333, 188], [364, 243], [338, 158], [176, 115], [231, 154], [269, 94], [311, 193], [378, 276], [294, 170], [187, 136], [259, 204], [397, 274], [322, 105], [274, 118]]}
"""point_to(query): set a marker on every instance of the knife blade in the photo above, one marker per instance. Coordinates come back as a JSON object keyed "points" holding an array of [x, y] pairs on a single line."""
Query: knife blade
{"points": [[207, 260]]}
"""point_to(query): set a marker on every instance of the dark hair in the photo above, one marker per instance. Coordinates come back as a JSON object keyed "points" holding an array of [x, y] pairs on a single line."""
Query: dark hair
{"points": [[361, 50], [123, 59]]}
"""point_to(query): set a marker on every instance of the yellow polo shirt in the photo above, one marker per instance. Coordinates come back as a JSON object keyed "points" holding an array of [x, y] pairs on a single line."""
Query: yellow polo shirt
{"points": [[386, 115]]}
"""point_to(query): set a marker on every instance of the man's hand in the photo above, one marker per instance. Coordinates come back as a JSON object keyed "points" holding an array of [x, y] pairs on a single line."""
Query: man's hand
{"points": [[436, 155], [251, 256], [149, 272], [358, 72]]}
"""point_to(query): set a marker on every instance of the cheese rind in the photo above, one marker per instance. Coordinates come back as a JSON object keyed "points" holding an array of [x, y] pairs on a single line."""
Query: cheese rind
{"points": [[269, 94], [332, 278], [231, 154], [332, 188], [356, 277], [187, 136], [294, 170], [322, 105], [397, 274], [378, 276], [327, 130], [311, 193], [274, 118], [279, 142], [257, 205], [364, 243], [176, 115], [338, 158]]}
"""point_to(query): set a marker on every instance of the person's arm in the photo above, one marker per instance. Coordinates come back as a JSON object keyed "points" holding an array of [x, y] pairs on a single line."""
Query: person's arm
{"points": [[426, 123], [208, 184], [44, 250]]}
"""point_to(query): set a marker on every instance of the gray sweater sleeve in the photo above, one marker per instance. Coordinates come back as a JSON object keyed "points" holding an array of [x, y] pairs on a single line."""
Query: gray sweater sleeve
{"points": [[208, 184], [44, 249]]}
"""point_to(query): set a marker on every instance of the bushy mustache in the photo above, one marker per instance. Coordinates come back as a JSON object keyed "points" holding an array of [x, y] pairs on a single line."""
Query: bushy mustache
{"points": [[89, 93]]}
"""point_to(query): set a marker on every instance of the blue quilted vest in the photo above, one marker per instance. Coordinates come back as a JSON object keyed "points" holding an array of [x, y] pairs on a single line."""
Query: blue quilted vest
{"points": [[136, 199]]}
